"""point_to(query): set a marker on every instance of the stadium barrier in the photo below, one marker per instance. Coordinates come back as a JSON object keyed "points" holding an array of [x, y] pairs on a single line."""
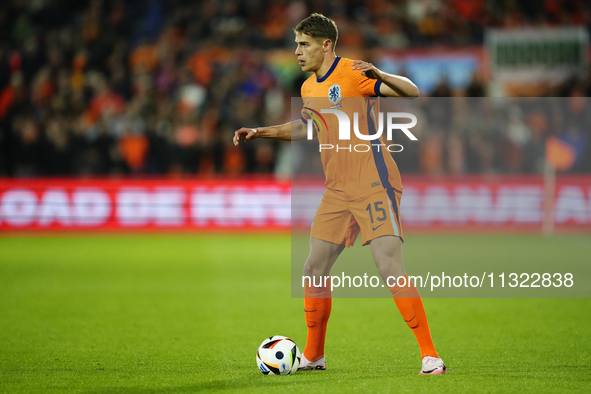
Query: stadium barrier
{"points": [[269, 205]]}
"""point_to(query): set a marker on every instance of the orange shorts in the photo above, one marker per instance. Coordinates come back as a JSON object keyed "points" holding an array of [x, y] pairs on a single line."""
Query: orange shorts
{"points": [[340, 221]]}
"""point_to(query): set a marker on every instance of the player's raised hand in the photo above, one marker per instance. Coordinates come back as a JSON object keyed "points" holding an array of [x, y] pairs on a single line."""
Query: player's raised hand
{"points": [[244, 134], [367, 69]]}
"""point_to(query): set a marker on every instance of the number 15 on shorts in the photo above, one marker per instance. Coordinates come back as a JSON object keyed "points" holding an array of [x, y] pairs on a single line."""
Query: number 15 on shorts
{"points": [[377, 212]]}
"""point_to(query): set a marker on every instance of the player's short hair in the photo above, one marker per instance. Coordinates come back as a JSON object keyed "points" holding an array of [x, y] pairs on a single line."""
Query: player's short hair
{"points": [[319, 26]]}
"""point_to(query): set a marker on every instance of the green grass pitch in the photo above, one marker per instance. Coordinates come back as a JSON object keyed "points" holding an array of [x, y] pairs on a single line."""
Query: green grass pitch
{"points": [[186, 313]]}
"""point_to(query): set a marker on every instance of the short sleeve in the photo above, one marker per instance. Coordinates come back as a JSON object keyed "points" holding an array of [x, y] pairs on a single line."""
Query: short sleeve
{"points": [[365, 86]]}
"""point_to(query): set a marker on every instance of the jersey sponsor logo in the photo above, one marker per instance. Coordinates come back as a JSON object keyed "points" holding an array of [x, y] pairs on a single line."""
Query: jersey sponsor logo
{"points": [[375, 184], [334, 93], [375, 228]]}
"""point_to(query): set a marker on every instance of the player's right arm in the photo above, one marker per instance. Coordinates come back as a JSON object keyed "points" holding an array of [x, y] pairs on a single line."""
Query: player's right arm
{"points": [[295, 130]]}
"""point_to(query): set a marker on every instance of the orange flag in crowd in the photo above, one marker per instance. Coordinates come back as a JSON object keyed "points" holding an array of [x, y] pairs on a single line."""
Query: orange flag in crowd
{"points": [[559, 154]]}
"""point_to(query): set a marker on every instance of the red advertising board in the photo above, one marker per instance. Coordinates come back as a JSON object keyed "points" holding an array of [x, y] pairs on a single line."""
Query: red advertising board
{"points": [[132, 205], [495, 202], [269, 205]]}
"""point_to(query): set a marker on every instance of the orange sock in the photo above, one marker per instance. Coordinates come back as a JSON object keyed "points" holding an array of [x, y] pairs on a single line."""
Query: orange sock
{"points": [[317, 306], [410, 305]]}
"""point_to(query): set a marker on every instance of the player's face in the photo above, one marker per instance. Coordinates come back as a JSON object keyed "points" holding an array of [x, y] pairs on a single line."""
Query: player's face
{"points": [[309, 51]]}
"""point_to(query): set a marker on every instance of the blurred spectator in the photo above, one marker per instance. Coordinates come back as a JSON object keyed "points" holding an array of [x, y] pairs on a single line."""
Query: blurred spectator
{"points": [[101, 87]]}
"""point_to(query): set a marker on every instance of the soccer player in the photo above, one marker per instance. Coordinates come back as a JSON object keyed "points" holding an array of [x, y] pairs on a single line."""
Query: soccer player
{"points": [[351, 203]]}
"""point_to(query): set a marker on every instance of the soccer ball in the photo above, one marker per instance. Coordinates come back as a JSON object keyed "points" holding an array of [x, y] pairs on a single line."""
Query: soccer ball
{"points": [[278, 355]]}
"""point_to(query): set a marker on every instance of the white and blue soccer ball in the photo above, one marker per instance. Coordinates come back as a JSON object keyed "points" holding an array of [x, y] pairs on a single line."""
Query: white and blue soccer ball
{"points": [[278, 355]]}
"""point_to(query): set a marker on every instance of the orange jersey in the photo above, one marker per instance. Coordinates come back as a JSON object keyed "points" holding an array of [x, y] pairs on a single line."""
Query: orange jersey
{"points": [[354, 167]]}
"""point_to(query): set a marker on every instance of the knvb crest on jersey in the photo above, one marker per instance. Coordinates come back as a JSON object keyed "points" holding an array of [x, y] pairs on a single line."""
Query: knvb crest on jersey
{"points": [[334, 93]]}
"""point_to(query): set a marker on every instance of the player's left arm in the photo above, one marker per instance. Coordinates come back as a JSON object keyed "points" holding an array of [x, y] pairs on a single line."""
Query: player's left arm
{"points": [[392, 85]]}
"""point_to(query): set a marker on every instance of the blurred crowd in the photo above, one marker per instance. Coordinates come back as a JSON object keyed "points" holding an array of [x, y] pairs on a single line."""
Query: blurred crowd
{"points": [[103, 88], [500, 135]]}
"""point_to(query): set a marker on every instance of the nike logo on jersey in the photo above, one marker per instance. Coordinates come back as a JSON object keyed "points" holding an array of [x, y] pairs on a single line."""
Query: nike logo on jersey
{"points": [[375, 228]]}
